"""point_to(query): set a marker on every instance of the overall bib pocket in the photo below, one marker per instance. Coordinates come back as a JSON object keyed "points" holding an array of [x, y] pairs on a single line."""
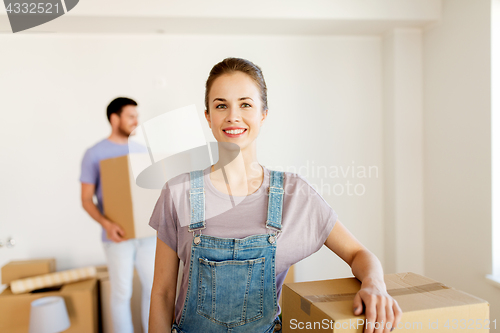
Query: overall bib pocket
{"points": [[231, 292]]}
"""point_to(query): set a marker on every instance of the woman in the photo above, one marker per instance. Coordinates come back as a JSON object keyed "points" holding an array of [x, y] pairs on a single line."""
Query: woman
{"points": [[236, 256]]}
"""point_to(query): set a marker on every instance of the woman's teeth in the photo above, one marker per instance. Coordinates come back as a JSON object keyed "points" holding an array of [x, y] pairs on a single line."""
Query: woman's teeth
{"points": [[239, 131]]}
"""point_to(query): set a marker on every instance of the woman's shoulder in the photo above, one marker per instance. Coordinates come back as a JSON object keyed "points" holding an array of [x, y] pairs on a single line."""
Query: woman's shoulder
{"points": [[178, 183]]}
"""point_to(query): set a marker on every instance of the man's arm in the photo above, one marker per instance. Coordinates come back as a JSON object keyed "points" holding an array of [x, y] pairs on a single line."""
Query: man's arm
{"points": [[113, 230]]}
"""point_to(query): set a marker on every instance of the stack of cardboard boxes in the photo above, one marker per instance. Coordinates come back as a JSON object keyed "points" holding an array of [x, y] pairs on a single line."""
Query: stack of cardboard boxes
{"points": [[87, 302], [80, 298]]}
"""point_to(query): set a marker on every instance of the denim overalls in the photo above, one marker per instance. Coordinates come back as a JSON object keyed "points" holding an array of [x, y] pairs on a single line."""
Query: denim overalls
{"points": [[232, 282]]}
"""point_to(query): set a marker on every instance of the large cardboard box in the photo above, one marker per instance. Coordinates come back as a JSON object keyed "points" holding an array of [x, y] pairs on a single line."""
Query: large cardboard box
{"points": [[105, 298], [427, 305], [81, 302], [125, 203], [21, 269]]}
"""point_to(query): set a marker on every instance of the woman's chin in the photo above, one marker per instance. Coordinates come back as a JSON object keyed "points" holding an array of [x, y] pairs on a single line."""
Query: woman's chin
{"points": [[229, 146]]}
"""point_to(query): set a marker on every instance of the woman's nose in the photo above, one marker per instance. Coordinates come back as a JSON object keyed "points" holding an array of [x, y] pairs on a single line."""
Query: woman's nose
{"points": [[233, 115]]}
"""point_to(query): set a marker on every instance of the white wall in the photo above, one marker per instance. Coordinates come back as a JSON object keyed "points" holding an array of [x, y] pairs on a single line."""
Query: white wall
{"points": [[324, 96], [403, 151], [457, 149]]}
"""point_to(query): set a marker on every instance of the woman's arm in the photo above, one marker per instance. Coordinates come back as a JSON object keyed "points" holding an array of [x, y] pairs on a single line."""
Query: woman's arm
{"points": [[380, 306], [161, 312]]}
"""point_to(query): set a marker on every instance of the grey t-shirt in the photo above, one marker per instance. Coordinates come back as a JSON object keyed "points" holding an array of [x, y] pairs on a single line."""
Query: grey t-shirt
{"points": [[307, 220]]}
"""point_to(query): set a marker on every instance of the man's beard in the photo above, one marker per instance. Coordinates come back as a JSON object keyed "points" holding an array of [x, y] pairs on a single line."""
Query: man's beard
{"points": [[123, 132]]}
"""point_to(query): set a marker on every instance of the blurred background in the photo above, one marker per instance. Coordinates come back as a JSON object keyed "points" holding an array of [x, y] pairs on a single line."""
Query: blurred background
{"points": [[389, 108]]}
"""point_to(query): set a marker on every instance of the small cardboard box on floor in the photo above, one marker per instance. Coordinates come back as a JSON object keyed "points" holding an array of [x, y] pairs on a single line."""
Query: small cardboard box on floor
{"points": [[427, 305], [81, 303], [21, 269], [125, 203]]}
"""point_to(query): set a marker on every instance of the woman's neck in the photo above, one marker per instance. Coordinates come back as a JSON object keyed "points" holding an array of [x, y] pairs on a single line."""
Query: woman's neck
{"points": [[240, 175]]}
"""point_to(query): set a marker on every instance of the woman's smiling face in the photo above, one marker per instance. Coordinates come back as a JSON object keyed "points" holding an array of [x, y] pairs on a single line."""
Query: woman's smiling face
{"points": [[235, 109]]}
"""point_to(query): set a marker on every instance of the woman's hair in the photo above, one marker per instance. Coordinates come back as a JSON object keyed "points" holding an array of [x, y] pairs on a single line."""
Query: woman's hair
{"points": [[231, 65]]}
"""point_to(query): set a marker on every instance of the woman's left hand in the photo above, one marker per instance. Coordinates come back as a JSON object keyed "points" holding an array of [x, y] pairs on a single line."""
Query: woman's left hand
{"points": [[382, 312]]}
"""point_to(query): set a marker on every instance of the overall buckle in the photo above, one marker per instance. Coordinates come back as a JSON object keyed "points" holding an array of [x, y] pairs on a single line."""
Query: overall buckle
{"points": [[197, 238], [273, 236]]}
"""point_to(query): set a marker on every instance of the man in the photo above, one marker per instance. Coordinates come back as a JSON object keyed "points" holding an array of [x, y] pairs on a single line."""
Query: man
{"points": [[121, 254]]}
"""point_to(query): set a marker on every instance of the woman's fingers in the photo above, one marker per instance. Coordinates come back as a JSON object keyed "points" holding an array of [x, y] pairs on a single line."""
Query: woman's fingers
{"points": [[389, 313], [379, 324], [357, 305], [370, 301], [382, 313], [398, 313]]}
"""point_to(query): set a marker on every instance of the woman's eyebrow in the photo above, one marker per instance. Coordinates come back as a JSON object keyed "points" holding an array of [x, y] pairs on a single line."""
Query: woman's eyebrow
{"points": [[223, 99]]}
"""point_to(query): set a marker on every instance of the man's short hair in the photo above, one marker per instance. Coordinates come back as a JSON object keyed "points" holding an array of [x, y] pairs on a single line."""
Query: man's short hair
{"points": [[116, 106]]}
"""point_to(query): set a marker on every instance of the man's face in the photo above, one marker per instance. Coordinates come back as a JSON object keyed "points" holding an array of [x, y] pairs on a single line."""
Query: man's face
{"points": [[128, 120]]}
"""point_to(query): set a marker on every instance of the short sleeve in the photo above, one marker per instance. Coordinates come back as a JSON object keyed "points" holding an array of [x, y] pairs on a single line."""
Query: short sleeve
{"points": [[328, 224], [309, 218], [323, 219], [164, 219], [90, 169]]}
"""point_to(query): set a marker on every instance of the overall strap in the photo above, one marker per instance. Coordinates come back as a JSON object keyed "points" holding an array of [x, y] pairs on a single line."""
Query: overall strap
{"points": [[275, 205], [197, 200]]}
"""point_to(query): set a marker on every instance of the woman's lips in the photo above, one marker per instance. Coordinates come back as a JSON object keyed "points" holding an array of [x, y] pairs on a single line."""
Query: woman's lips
{"points": [[235, 135]]}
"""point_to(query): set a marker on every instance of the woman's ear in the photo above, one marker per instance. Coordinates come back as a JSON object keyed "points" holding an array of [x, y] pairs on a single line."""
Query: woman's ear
{"points": [[207, 117], [264, 116]]}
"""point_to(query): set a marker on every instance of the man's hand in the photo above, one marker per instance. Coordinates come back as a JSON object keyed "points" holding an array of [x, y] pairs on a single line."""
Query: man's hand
{"points": [[382, 311], [113, 231]]}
